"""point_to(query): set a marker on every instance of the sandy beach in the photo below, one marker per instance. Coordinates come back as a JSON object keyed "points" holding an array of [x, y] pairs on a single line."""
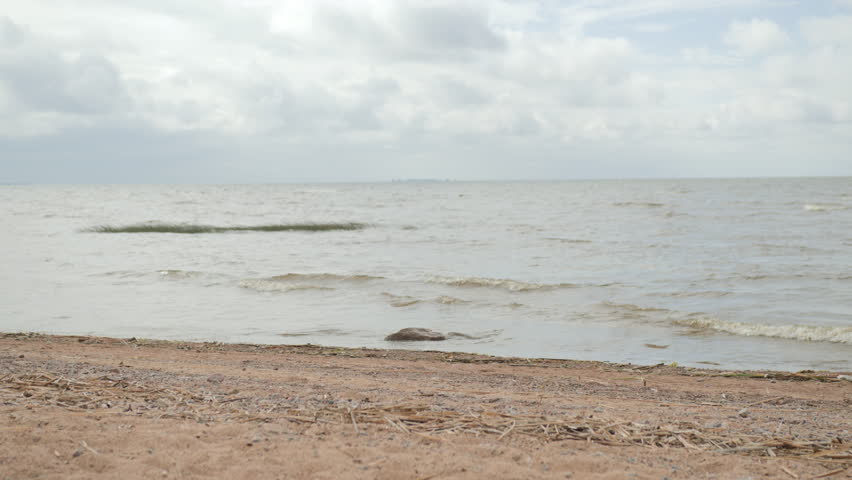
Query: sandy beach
{"points": [[89, 407]]}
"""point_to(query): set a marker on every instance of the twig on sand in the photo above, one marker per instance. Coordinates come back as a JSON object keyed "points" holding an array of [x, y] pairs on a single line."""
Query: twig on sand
{"points": [[507, 431], [354, 423], [768, 400], [788, 472], [87, 447], [399, 426], [832, 473]]}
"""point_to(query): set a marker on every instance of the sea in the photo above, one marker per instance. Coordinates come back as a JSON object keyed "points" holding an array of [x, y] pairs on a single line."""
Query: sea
{"points": [[712, 273]]}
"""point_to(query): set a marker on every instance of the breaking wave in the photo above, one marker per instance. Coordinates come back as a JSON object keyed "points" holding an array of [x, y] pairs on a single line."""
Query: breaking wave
{"points": [[810, 333], [504, 283]]}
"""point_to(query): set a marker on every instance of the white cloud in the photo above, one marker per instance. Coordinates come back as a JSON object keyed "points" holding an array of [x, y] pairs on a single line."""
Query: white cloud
{"points": [[755, 36], [393, 86]]}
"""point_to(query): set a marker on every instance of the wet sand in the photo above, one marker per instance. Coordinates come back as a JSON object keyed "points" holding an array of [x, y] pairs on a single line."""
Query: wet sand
{"points": [[88, 407]]}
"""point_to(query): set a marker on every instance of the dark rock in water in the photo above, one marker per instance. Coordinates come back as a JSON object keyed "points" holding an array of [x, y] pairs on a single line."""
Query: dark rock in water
{"points": [[415, 335]]}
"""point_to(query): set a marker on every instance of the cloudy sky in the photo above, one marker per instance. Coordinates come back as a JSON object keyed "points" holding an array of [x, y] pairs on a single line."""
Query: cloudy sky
{"points": [[248, 91]]}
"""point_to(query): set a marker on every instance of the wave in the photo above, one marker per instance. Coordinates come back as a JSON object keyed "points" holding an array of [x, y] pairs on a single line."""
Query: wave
{"points": [[810, 333], [638, 204], [302, 281], [322, 277], [171, 273], [262, 285], [504, 283], [480, 336], [824, 207], [629, 307], [407, 301], [123, 274], [167, 273], [567, 240], [703, 293], [322, 331]]}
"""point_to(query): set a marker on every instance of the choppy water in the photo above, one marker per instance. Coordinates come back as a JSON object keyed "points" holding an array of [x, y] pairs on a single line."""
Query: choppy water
{"points": [[742, 273]]}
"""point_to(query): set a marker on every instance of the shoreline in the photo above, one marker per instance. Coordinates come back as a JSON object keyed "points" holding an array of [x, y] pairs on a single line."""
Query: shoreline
{"points": [[404, 354], [84, 407]]}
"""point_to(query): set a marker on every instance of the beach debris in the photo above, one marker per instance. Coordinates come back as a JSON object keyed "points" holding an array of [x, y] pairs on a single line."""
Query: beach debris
{"points": [[415, 335], [652, 345], [789, 472], [832, 473], [80, 394], [743, 413]]}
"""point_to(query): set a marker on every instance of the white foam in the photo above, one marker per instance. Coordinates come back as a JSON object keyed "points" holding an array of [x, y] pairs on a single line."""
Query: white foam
{"points": [[178, 273], [824, 207], [810, 333]]}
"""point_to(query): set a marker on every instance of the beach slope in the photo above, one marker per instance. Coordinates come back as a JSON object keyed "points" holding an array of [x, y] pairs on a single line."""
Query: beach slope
{"points": [[89, 407]]}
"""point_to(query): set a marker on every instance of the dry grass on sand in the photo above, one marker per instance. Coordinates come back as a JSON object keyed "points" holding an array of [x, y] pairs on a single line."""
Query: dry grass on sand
{"points": [[87, 407]]}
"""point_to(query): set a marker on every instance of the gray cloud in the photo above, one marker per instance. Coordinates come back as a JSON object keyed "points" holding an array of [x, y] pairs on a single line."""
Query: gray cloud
{"points": [[406, 32], [225, 91], [447, 28], [39, 78]]}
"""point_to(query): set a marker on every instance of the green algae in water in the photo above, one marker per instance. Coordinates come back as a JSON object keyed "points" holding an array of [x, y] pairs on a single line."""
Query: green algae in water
{"points": [[195, 229]]}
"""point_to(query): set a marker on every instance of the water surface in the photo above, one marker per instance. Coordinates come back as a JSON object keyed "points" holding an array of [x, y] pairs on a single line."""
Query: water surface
{"points": [[751, 273]]}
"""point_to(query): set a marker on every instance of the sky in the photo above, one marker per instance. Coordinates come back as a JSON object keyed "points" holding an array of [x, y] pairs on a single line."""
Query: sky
{"points": [[259, 91]]}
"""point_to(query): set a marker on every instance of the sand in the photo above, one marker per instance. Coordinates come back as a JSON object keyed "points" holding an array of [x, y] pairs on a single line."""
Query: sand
{"points": [[87, 407]]}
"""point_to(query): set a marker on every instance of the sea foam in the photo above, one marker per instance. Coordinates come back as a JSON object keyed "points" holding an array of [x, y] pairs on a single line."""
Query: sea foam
{"points": [[824, 207], [810, 333]]}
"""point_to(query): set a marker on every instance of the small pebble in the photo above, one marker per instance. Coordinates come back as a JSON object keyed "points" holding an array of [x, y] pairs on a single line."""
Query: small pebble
{"points": [[743, 413]]}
